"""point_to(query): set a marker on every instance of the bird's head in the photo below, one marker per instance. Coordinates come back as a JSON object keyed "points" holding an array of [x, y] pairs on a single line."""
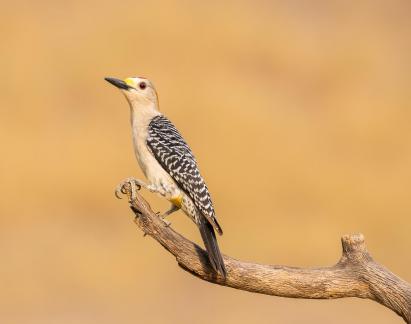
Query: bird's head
{"points": [[137, 90]]}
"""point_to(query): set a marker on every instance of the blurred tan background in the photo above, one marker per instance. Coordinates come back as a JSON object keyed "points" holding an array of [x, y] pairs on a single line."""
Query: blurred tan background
{"points": [[298, 112]]}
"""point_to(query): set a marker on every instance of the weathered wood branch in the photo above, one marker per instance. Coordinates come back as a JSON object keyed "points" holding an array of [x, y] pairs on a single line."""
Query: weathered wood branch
{"points": [[356, 274]]}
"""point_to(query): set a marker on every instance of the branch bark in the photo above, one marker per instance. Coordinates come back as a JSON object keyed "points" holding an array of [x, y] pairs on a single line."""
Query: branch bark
{"points": [[356, 274]]}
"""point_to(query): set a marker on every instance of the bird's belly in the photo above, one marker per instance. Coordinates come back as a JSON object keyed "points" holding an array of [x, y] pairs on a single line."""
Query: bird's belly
{"points": [[157, 177], [162, 182]]}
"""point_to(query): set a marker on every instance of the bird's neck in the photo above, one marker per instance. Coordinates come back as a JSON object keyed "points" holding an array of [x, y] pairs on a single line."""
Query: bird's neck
{"points": [[142, 114]]}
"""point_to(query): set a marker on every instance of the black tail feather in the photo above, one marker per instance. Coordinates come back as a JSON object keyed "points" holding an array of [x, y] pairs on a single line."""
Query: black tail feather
{"points": [[211, 245]]}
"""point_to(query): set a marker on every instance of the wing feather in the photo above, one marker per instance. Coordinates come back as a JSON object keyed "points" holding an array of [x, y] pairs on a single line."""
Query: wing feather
{"points": [[175, 156]]}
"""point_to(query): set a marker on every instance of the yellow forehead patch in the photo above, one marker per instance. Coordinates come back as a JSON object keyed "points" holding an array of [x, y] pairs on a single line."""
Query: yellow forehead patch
{"points": [[130, 82]]}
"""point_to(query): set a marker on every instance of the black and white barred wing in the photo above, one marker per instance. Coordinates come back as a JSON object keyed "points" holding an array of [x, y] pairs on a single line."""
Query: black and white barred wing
{"points": [[172, 152]]}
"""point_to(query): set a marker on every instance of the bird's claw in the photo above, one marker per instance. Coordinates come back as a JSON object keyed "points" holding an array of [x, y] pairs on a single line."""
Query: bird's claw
{"points": [[163, 218], [135, 185], [166, 222], [119, 191]]}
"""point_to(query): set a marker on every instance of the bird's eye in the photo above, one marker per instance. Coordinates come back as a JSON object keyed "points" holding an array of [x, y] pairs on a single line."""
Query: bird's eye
{"points": [[142, 85]]}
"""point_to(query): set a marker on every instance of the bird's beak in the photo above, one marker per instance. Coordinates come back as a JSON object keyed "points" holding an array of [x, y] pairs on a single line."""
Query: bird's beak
{"points": [[118, 83]]}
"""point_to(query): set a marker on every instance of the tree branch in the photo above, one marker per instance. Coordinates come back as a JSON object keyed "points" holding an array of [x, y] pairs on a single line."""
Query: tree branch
{"points": [[356, 274]]}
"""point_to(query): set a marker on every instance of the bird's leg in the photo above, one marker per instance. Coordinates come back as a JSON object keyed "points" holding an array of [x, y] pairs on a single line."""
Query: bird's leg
{"points": [[172, 209], [135, 185]]}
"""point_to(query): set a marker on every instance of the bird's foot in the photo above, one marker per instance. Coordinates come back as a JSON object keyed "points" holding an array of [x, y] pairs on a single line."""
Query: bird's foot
{"points": [[172, 209], [135, 185], [163, 218], [166, 222]]}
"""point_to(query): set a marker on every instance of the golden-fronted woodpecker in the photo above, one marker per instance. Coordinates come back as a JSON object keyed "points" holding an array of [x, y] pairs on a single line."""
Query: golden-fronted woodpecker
{"points": [[168, 163]]}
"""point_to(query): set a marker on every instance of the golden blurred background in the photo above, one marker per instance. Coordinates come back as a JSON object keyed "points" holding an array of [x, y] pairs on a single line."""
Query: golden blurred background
{"points": [[298, 112]]}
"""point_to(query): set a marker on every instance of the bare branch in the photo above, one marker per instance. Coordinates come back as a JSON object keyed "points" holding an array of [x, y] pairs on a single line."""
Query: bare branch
{"points": [[356, 274]]}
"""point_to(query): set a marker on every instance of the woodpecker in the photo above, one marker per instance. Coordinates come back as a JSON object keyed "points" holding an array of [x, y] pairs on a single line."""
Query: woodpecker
{"points": [[168, 164]]}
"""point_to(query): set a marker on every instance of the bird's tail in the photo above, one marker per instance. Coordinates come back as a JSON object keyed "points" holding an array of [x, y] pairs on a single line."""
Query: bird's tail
{"points": [[211, 245]]}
